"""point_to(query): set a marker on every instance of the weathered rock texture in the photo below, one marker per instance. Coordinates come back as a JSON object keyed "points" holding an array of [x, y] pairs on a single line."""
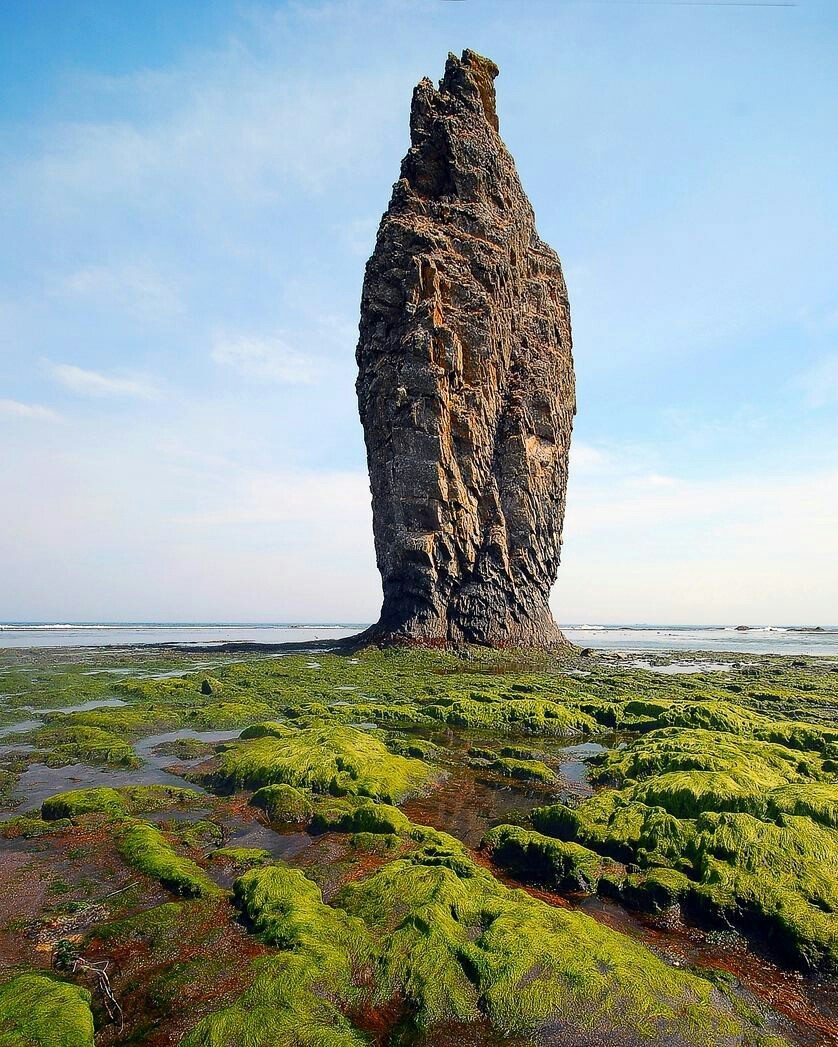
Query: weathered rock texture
{"points": [[465, 383]]}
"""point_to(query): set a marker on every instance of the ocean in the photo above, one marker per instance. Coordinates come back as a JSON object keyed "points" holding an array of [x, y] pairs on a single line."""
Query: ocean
{"points": [[793, 640]]}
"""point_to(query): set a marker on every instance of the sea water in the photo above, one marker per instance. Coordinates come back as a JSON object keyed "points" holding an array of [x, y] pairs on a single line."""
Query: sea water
{"points": [[792, 640]]}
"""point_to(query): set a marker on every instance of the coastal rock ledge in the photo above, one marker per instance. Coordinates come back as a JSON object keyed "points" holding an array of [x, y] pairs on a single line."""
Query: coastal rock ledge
{"points": [[465, 384]]}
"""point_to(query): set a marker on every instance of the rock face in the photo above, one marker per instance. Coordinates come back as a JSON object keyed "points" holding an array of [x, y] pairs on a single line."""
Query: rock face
{"points": [[465, 384]]}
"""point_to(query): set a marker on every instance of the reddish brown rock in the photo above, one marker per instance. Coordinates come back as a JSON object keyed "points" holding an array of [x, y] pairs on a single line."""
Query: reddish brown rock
{"points": [[465, 384]]}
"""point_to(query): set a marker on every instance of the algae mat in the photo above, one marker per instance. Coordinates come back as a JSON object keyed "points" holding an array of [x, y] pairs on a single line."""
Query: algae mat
{"points": [[416, 848]]}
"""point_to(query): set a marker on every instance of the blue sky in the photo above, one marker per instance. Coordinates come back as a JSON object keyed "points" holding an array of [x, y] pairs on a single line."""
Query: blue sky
{"points": [[188, 194]]}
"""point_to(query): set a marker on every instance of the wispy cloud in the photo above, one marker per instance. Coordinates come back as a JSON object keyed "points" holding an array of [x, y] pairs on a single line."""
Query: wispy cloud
{"points": [[585, 458], [93, 383], [640, 546], [820, 381], [136, 289], [266, 359], [311, 499], [33, 412]]}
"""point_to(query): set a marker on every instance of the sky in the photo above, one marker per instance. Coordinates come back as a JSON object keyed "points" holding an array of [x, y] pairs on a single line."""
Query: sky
{"points": [[188, 195]]}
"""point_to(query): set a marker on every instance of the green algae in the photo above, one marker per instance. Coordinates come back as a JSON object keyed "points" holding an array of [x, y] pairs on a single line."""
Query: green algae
{"points": [[287, 910], [523, 770], [708, 859], [349, 816], [747, 766], [376, 843], [78, 802], [744, 828], [542, 858], [270, 729], [242, 857], [144, 847], [292, 999], [457, 944], [40, 1011], [416, 747], [284, 1007], [522, 715], [86, 745], [129, 799], [154, 928], [127, 722], [186, 748], [454, 945], [201, 835], [331, 759], [283, 803], [28, 828], [514, 762]]}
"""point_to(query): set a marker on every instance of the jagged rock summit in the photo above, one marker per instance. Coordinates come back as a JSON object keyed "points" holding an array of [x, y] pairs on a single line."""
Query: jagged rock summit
{"points": [[465, 384]]}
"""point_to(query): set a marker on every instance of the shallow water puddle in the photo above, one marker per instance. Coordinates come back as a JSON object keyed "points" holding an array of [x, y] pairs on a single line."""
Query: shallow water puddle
{"points": [[469, 801], [145, 748], [686, 668], [38, 782], [21, 727]]}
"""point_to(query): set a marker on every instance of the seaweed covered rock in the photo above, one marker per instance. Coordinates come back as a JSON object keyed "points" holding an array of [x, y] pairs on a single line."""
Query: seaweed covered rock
{"points": [[457, 945], [508, 713], [39, 1011], [145, 848], [744, 830], [343, 815], [439, 939], [327, 759], [128, 799], [85, 744], [283, 803], [465, 384], [293, 1000], [102, 800], [242, 858], [535, 857]]}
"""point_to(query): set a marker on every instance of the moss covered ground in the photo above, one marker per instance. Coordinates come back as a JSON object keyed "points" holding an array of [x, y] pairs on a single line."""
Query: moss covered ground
{"points": [[241, 845]]}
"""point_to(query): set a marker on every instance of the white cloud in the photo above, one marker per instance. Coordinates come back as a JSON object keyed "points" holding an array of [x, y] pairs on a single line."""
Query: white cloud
{"points": [[586, 459], [221, 126], [305, 499], [93, 383], [35, 412], [267, 359], [820, 382], [135, 289], [224, 541], [643, 547]]}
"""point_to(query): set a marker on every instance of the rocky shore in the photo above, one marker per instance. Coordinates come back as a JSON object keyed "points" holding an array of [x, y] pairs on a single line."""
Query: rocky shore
{"points": [[402, 846]]}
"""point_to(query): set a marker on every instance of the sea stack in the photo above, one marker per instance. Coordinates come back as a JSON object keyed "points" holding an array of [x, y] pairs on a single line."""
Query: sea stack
{"points": [[465, 384]]}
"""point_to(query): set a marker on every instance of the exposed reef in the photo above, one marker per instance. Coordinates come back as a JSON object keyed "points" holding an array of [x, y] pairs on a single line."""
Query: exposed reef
{"points": [[419, 847], [465, 384]]}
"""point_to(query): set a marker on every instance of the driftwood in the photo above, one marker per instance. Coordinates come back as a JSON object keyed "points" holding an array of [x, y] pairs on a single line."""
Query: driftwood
{"points": [[99, 970]]}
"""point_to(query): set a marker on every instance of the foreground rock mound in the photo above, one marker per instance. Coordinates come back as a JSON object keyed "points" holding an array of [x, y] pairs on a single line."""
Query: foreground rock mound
{"points": [[465, 385]]}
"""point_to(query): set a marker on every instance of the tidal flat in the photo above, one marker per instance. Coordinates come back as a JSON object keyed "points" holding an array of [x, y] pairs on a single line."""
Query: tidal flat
{"points": [[400, 847]]}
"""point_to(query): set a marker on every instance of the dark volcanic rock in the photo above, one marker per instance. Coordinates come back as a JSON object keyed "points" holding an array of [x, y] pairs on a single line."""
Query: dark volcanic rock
{"points": [[465, 384]]}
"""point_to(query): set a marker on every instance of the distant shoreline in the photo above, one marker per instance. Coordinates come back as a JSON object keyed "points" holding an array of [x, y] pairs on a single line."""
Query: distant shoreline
{"points": [[739, 641], [12, 625]]}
